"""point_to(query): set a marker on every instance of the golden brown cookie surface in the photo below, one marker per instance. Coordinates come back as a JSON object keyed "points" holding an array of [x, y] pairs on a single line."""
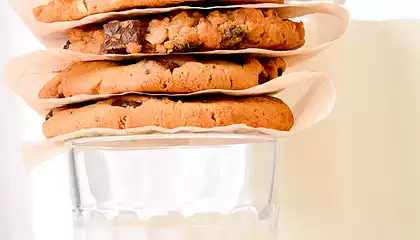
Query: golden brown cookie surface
{"points": [[190, 32], [169, 74], [139, 111], [68, 10]]}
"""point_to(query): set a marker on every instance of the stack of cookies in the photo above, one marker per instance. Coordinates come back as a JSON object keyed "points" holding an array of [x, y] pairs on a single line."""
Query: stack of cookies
{"points": [[156, 64]]}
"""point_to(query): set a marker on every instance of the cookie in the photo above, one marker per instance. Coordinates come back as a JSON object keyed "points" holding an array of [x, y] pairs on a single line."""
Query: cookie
{"points": [[169, 74], [68, 10], [190, 31], [134, 111]]}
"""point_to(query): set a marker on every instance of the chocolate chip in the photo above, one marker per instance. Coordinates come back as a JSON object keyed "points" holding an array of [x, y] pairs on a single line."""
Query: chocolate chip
{"points": [[235, 32], [187, 47], [49, 115], [262, 78], [280, 72], [119, 34], [190, 47], [264, 13], [67, 46], [233, 36], [126, 104]]}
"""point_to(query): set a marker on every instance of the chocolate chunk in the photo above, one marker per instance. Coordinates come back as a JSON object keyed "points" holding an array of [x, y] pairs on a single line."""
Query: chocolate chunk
{"points": [[264, 13], [263, 78], [187, 47], [126, 104], [49, 115], [67, 46], [167, 64], [190, 47], [233, 36], [280, 72], [120, 35]]}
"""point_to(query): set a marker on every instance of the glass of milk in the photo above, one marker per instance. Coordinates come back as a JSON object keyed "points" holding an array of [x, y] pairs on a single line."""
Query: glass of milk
{"points": [[178, 187]]}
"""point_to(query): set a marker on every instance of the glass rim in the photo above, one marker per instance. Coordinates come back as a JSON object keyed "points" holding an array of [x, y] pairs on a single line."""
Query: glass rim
{"points": [[145, 141]]}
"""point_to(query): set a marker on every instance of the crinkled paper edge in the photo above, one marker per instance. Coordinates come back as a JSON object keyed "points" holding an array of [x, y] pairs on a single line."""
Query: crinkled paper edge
{"points": [[316, 101]]}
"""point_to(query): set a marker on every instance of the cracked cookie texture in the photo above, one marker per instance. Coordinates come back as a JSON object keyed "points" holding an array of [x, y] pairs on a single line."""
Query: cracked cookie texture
{"points": [[69, 10], [132, 111], [190, 31], [168, 74]]}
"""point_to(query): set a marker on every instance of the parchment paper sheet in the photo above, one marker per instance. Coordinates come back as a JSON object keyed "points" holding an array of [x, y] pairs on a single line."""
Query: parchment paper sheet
{"points": [[311, 95], [311, 100]]}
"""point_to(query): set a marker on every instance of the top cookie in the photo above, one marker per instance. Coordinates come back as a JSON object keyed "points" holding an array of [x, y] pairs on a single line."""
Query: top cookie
{"points": [[190, 31], [68, 10]]}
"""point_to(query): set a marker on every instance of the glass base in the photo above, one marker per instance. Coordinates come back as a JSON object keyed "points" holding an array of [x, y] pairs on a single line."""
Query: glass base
{"points": [[243, 223]]}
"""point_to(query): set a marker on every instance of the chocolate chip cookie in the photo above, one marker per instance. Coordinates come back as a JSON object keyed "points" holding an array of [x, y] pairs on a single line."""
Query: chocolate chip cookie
{"points": [[68, 10], [169, 74], [133, 111], [190, 32]]}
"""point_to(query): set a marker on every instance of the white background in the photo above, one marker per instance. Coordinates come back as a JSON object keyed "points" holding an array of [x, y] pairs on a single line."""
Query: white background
{"points": [[354, 176]]}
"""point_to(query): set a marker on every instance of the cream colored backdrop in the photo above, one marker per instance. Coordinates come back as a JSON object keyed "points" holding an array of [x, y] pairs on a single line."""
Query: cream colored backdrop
{"points": [[357, 174]]}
